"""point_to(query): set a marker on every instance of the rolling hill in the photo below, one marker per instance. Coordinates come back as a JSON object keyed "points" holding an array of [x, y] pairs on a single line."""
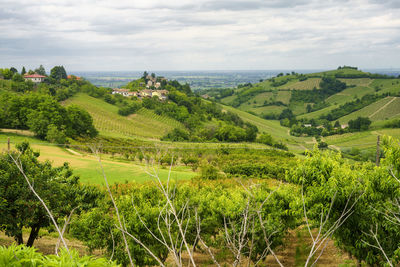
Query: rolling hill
{"points": [[274, 95], [144, 124], [374, 96]]}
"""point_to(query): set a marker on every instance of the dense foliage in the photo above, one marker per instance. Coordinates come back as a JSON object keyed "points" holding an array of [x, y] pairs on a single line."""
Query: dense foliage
{"points": [[29, 257], [40, 113], [332, 185], [60, 190], [214, 202]]}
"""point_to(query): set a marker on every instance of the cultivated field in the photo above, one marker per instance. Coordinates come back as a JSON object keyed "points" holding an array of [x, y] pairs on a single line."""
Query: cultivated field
{"points": [[308, 84], [106, 119], [380, 110]]}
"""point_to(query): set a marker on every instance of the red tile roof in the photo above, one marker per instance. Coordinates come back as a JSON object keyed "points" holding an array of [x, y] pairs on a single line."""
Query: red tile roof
{"points": [[73, 77]]}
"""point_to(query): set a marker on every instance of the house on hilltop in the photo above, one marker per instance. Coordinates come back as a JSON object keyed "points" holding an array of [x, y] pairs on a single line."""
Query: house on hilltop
{"points": [[36, 78], [154, 81]]}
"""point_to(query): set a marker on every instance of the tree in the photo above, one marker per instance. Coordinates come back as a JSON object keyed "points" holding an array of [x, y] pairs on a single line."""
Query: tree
{"points": [[23, 71], [42, 71], [79, 123], [17, 77], [309, 108], [359, 124], [59, 189], [7, 74], [337, 124], [266, 139], [13, 70], [54, 135], [58, 73]]}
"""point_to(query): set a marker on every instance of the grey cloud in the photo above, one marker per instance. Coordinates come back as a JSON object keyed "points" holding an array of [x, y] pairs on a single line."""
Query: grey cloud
{"points": [[251, 5], [201, 35], [387, 3]]}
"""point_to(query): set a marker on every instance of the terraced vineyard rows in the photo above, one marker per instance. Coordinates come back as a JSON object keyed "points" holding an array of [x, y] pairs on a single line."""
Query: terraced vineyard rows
{"points": [[367, 111], [358, 82], [284, 96], [308, 84], [389, 111], [109, 122]]}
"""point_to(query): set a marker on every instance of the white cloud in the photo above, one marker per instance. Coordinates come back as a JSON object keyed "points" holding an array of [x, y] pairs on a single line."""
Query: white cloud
{"points": [[183, 34]]}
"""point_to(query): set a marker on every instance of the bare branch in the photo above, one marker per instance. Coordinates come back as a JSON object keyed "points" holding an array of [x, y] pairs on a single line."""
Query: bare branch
{"points": [[374, 235], [198, 227], [96, 153], [18, 163], [64, 228]]}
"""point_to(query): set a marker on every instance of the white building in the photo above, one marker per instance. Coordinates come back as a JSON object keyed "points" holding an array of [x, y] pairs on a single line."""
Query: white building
{"points": [[36, 78]]}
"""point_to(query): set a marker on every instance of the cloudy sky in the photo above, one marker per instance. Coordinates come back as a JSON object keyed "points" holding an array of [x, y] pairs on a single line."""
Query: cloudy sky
{"points": [[200, 34]]}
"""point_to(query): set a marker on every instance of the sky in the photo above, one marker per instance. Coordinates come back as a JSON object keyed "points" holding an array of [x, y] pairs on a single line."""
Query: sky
{"points": [[112, 35]]}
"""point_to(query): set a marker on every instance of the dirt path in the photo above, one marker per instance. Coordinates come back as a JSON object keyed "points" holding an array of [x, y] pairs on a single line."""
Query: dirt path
{"points": [[73, 152], [388, 103]]}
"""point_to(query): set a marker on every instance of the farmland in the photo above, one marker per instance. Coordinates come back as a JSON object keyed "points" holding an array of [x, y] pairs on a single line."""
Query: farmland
{"points": [[110, 123], [86, 165]]}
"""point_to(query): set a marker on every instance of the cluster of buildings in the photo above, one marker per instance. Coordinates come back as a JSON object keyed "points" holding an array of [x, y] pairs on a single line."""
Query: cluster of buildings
{"points": [[153, 81], [161, 94]]}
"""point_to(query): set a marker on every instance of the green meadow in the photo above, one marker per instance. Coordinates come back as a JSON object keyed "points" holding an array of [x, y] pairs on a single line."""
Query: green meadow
{"points": [[87, 165]]}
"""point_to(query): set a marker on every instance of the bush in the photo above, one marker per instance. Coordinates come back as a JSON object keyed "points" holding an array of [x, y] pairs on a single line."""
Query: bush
{"points": [[27, 256]]}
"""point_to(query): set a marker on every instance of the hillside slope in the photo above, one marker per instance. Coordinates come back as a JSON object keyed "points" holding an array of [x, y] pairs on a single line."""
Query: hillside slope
{"points": [[144, 124], [269, 98]]}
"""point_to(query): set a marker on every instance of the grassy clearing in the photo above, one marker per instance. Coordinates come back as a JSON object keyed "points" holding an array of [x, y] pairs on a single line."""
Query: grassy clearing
{"points": [[87, 166], [107, 120]]}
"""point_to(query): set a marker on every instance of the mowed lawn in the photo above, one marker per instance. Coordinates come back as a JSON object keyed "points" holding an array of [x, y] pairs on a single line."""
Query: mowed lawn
{"points": [[88, 167]]}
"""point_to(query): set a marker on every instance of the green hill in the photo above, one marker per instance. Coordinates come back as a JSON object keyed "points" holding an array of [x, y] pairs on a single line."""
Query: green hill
{"points": [[269, 98], [144, 124]]}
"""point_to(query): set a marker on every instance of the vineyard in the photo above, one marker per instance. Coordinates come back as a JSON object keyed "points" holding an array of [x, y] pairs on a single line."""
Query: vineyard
{"points": [[308, 84], [284, 97], [358, 82], [106, 119], [374, 108]]}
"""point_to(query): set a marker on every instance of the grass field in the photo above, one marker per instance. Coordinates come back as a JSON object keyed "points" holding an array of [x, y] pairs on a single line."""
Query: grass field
{"points": [[87, 166], [145, 123]]}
